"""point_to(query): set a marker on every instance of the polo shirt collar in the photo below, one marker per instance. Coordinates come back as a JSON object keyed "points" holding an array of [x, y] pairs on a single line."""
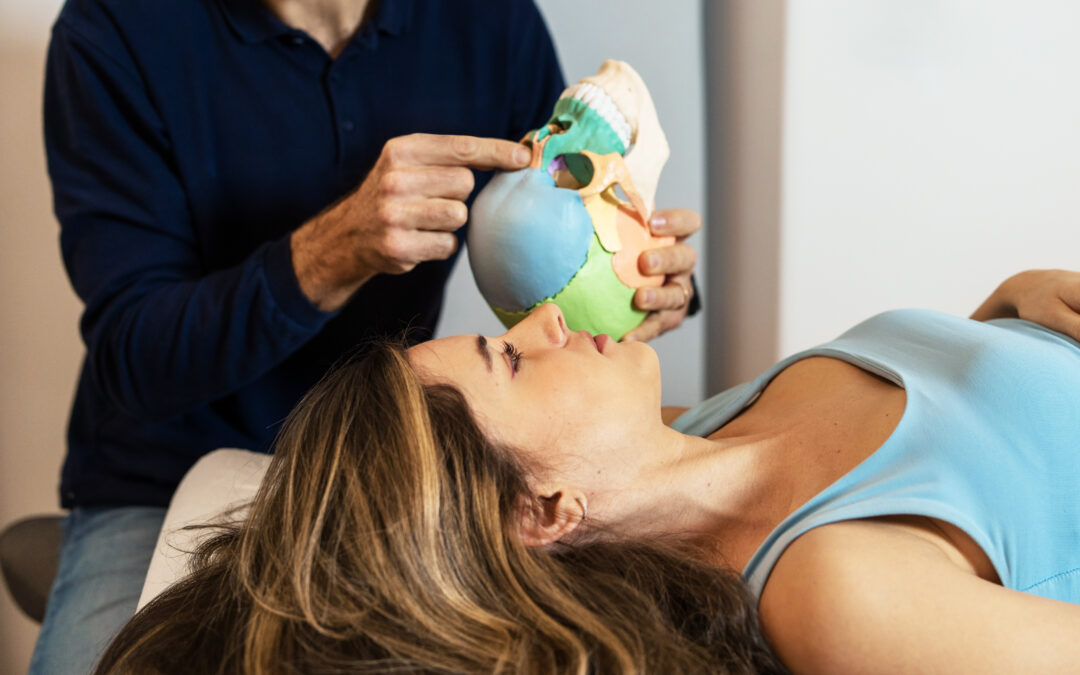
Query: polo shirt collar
{"points": [[254, 22], [394, 16]]}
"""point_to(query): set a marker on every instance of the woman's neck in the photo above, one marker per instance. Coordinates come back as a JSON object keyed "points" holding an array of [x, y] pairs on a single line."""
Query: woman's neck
{"points": [[726, 493], [816, 421], [331, 23]]}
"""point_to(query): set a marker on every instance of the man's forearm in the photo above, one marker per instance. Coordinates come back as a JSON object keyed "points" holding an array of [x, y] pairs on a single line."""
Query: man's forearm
{"points": [[324, 260]]}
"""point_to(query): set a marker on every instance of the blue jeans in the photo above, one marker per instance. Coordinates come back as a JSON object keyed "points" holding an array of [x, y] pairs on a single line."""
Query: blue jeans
{"points": [[104, 556]]}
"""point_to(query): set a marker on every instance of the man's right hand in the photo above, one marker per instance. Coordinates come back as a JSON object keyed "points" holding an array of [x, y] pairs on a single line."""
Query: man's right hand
{"points": [[405, 212]]}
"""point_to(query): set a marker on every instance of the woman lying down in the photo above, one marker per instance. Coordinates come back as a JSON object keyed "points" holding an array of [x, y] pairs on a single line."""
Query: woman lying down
{"points": [[904, 498]]}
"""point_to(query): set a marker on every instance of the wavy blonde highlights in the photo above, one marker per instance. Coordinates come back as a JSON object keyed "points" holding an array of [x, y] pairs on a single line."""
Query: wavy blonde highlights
{"points": [[383, 539]]}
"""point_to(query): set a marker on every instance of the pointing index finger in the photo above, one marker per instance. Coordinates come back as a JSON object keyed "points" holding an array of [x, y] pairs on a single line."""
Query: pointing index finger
{"points": [[471, 151]]}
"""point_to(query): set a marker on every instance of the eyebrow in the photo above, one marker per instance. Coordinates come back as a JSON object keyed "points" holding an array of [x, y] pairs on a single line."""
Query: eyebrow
{"points": [[481, 346]]}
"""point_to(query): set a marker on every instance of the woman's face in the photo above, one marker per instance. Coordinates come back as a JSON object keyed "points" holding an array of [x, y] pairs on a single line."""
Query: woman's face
{"points": [[554, 394]]}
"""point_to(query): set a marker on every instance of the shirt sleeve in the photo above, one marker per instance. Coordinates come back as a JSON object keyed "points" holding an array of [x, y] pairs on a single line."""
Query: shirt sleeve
{"points": [[163, 334]]}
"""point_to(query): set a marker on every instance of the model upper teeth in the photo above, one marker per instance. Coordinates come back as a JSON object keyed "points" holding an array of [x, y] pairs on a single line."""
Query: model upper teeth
{"points": [[598, 99]]}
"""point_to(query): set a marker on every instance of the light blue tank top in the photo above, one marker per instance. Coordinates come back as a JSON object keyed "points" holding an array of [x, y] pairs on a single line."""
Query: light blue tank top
{"points": [[989, 441]]}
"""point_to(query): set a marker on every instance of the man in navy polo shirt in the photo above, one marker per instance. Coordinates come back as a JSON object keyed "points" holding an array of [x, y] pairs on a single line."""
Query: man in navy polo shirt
{"points": [[247, 189]]}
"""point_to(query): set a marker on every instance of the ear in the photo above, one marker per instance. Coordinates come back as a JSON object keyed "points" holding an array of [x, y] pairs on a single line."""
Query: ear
{"points": [[550, 515]]}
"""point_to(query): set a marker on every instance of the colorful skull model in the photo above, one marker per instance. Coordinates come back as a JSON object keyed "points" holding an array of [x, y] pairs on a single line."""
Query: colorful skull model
{"points": [[559, 231]]}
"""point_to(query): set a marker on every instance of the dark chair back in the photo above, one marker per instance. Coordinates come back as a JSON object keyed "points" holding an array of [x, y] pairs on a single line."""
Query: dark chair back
{"points": [[29, 555]]}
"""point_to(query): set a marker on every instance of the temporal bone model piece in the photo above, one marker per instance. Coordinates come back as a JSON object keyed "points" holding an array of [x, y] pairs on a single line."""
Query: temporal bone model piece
{"points": [[559, 231]]}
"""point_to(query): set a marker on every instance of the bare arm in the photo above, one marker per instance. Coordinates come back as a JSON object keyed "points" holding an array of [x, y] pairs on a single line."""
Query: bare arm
{"points": [[1047, 297], [856, 597]]}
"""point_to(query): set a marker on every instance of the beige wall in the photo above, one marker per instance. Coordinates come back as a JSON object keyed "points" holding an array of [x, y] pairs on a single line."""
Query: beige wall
{"points": [[39, 345]]}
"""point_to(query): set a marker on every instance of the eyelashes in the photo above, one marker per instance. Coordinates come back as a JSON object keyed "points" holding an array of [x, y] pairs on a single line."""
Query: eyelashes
{"points": [[515, 355]]}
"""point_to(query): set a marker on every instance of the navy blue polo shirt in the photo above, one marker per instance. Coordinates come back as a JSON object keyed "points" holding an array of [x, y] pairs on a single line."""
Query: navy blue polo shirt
{"points": [[186, 139]]}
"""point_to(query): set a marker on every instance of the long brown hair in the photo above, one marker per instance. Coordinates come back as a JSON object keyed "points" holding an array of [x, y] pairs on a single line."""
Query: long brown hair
{"points": [[384, 539]]}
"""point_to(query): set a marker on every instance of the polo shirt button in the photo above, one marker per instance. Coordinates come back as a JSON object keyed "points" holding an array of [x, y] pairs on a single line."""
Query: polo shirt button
{"points": [[297, 40], [347, 125]]}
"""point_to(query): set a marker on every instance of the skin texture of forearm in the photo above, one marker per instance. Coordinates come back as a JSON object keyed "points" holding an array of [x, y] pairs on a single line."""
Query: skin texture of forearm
{"points": [[324, 262]]}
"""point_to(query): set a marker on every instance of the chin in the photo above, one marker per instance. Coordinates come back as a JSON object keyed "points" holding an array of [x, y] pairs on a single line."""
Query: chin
{"points": [[644, 352], [647, 361]]}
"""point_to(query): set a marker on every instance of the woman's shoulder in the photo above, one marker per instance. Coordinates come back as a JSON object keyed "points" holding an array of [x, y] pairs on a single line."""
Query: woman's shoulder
{"points": [[837, 562], [832, 585], [840, 555], [881, 595]]}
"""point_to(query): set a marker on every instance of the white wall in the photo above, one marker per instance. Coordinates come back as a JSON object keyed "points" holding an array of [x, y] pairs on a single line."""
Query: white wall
{"points": [[663, 42], [930, 149]]}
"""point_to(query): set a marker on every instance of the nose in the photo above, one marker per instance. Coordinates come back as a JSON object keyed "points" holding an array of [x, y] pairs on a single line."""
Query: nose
{"points": [[545, 326]]}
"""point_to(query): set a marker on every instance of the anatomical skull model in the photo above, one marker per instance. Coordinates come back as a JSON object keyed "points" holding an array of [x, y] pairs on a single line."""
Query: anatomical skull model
{"points": [[558, 231]]}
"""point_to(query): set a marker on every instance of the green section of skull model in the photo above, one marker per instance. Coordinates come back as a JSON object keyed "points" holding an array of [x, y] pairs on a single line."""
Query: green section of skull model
{"points": [[583, 129], [593, 300]]}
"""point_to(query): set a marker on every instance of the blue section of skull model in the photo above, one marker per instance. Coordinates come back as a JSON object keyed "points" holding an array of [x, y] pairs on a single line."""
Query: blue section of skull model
{"points": [[522, 219]]}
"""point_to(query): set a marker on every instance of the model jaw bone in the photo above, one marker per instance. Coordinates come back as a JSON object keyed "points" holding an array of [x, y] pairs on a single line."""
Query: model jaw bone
{"points": [[611, 111], [532, 242]]}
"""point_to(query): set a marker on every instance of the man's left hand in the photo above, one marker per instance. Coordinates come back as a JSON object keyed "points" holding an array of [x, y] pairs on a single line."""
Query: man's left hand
{"points": [[667, 304]]}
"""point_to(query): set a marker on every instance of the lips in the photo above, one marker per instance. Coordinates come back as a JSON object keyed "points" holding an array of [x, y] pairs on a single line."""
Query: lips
{"points": [[598, 342], [588, 336]]}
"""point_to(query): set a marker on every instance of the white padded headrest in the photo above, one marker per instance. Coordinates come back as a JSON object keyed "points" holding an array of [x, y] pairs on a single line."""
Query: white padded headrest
{"points": [[219, 481]]}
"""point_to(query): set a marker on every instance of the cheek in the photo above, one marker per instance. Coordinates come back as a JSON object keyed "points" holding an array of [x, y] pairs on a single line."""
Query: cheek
{"points": [[553, 423], [595, 399], [573, 408], [560, 407], [590, 418]]}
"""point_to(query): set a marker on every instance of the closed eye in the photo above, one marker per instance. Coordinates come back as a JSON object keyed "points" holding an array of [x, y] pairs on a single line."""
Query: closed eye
{"points": [[514, 355]]}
